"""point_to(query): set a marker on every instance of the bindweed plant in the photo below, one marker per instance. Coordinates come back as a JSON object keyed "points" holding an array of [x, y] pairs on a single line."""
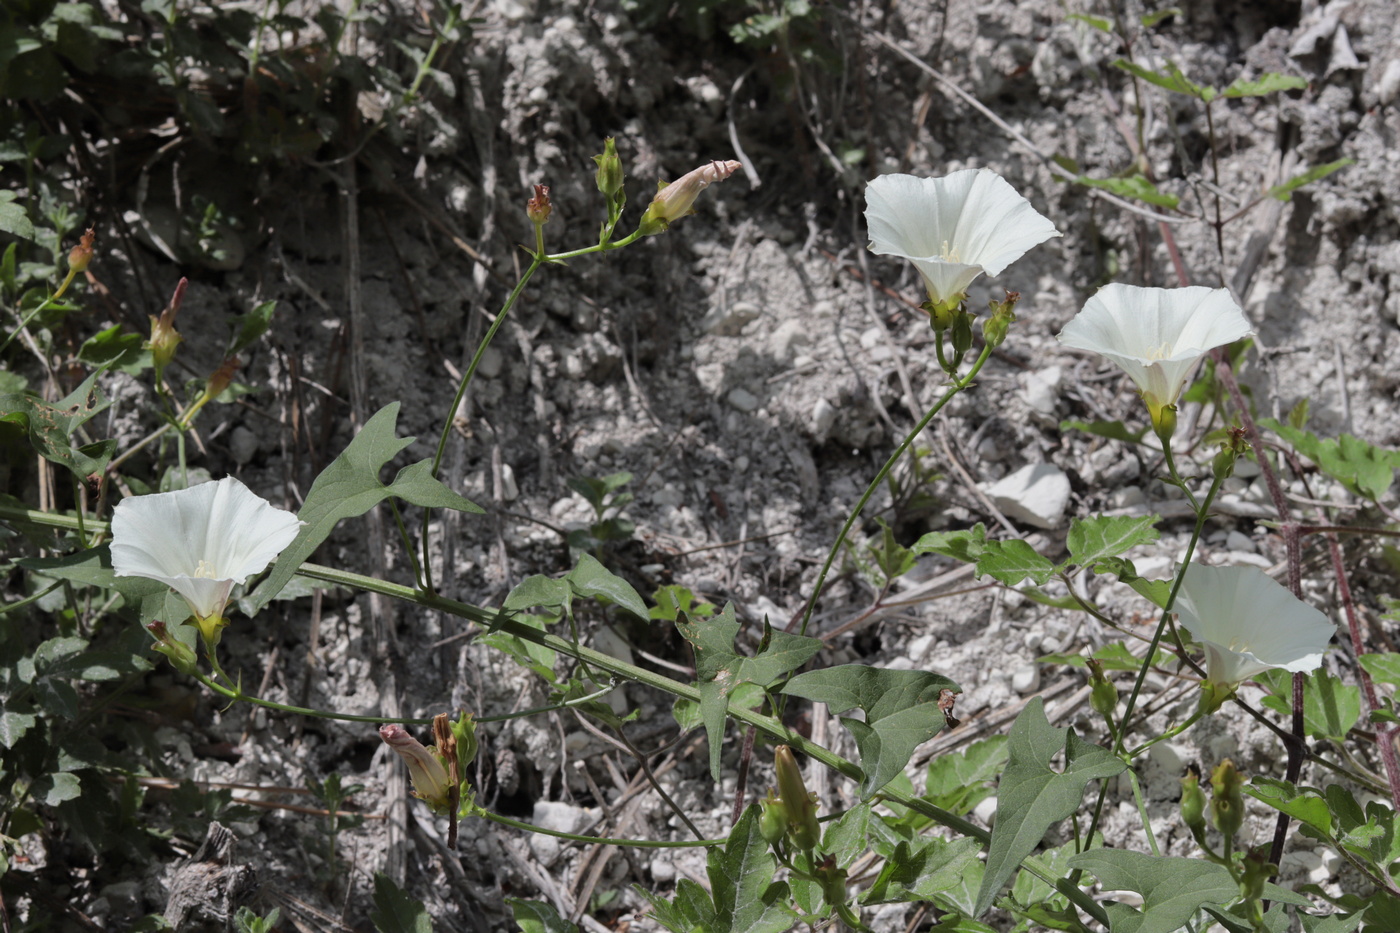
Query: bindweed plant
{"points": [[190, 564]]}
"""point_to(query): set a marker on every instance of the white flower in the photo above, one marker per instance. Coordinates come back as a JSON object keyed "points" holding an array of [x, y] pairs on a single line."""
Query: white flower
{"points": [[201, 541], [952, 228], [1156, 335], [1248, 623]]}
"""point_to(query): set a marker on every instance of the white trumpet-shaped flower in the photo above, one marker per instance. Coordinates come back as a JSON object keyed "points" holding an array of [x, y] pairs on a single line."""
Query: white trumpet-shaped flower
{"points": [[952, 228], [200, 541], [1156, 335], [1248, 623]]}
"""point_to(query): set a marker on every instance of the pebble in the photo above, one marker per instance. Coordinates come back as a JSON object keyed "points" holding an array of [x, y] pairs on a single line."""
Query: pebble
{"points": [[243, 445], [1041, 390], [1026, 678], [492, 361], [663, 870], [1239, 541], [1126, 497], [872, 338], [510, 491], [787, 336], [730, 321], [1332, 861], [1036, 494], [823, 418], [986, 811], [1388, 87], [1169, 757], [743, 399]]}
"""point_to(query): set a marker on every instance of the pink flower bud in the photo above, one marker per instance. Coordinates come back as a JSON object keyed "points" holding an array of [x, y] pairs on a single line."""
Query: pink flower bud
{"points": [[430, 780], [674, 201]]}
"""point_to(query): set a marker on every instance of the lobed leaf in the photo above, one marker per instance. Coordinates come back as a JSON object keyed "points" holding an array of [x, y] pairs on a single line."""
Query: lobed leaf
{"points": [[1093, 539], [1172, 888]]}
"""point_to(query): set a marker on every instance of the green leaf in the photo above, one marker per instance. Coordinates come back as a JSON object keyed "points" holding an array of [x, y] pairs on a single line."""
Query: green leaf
{"points": [[55, 788], [112, 349], [252, 326], [14, 219], [674, 600], [151, 599], [1134, 186], [901, 713], [1092, 539], [13, 726], [527, 654], [1157, 591], [539, 591], [1114, 656], [1301, 803], [396, 912], [1172, 888], [1097, 22], [1033, 796], [1333, 923], [1152, 19], [845, 839], [350, 486], [959, 782], [1382, 667], [1113, 430], [538, 917], [1330, 707], [966, 545], [1012, 561], [1266, 83], [921, 868], [1284, 192], [51, 426], [591, 579], [720, 669], [741, 882], [1173, 80]]}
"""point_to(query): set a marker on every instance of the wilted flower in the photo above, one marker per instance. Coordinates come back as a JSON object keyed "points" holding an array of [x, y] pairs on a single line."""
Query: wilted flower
{"points": [[538, 208], [1156, 335], [952, 228], [425, 766], [164, 337], [201, 541], [674, 201], [81, 255], [1248, 623]]}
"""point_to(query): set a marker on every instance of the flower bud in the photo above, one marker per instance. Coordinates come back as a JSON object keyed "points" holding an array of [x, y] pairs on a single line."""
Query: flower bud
{"points": [[1223, 466], [211, 629], [164, 337], [220, 379], [609, 170], [425, 768], [772, 819], [962, 332], [1227, 802], [1103, 695], [674, 201], [180, 655], [80, 255], [803, 828], [1257, 870], [464, 732], [539, 207], [1163, 421], [1193, 805]]}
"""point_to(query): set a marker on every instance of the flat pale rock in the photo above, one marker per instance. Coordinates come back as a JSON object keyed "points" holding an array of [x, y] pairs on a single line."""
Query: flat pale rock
{"points": [[1036, 494]]}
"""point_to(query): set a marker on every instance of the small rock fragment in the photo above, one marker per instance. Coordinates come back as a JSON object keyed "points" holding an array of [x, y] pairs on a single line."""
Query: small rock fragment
{"points": [[1026, 678], [743, 399], [1388, 87], [1036, 494]]}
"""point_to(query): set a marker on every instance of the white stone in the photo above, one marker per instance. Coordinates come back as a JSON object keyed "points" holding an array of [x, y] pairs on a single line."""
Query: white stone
{"points": [[510, 491], [1239, 541], [663, 870], [1331, 861], [1036, 494], [243, 444], [1388, 87], [730, 321], [1169, 757], [1026, 678], [742, 399], [986, 811], [823, 418], [871, 338], [1126, 497], [1039, 394], [491, 363], [787, 337]]}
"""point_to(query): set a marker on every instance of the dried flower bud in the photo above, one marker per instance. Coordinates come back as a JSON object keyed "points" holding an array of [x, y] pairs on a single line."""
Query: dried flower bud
{"points": [[675, 200], [80, 255], [220, 379], [1003, 316], [425, 768], [539, 207], [164, 337]]}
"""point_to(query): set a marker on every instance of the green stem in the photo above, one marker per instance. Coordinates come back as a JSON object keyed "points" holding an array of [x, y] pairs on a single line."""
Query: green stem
{"points": [[957, 386], [1171, 733], [1142, 811]]}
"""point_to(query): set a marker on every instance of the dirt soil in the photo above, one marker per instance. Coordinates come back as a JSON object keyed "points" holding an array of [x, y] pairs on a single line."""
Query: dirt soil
{"points": [[752, 368]]}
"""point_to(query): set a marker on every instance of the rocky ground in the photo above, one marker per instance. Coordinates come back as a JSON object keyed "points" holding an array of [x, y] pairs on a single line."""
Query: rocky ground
{"points": [[752, 368]]}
